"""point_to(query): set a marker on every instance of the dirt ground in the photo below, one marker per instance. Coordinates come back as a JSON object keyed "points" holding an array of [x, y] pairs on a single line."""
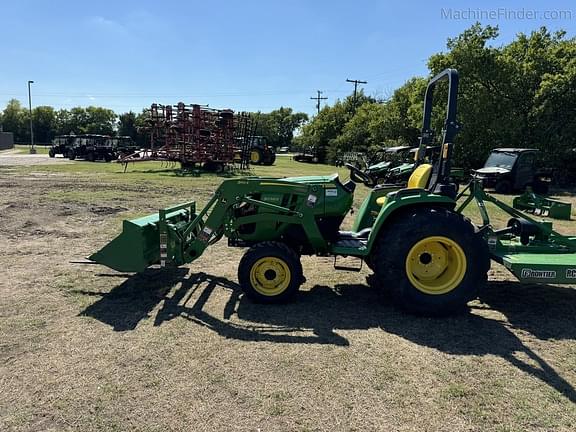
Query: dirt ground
{"points": [[16, 158], [86, 348]]}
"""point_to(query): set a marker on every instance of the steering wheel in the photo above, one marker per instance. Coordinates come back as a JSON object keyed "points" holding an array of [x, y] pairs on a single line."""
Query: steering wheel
{"points": [[359, 176]]}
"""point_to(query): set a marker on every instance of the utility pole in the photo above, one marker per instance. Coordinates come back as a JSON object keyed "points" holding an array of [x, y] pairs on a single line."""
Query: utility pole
{"points": [[356, 82], [32, 149], [318, 98]]}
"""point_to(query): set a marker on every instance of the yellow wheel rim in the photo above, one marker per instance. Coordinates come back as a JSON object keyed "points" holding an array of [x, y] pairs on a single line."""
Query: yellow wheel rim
{"points": [[270, 276], [254, 156], [436, 265]]}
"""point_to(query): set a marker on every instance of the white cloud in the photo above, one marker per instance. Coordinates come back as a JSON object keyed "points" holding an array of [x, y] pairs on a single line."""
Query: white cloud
{"points": [[107, 25]]}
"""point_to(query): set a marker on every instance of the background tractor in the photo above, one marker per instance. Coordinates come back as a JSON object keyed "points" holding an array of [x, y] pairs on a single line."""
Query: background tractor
{"points": [[261, 153], [389, 165], [423, 251]]}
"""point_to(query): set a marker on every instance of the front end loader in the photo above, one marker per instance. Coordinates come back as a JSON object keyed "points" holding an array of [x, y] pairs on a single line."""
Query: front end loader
{"points": [[423, 251]]}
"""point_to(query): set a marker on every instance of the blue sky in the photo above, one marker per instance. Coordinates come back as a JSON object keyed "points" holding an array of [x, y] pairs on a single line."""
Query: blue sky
{"points": [[244, 55]]}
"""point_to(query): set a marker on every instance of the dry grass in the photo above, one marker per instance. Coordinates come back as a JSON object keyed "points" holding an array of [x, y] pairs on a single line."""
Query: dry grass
{"points": [[84, 348]]}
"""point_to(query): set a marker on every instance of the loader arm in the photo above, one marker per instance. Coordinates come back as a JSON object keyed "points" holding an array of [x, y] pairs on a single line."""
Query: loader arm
{"points": [[178, 235]]}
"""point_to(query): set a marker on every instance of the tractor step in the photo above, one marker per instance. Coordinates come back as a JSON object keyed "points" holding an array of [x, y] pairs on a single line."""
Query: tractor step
{"points": [[347, 267], [351, 243], [552, 268], [350, 246]]}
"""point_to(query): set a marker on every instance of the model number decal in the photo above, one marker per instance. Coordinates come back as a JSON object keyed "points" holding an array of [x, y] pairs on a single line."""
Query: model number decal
{"points": [[570, 273], [538, 274], [331, 192]]}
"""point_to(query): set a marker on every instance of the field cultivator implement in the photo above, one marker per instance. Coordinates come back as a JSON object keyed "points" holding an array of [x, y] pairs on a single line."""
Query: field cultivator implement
{"points": [[196, 136]]}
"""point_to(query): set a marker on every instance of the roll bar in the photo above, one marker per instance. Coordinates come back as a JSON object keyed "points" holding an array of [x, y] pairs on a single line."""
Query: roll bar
{"points": [[441, 170]]}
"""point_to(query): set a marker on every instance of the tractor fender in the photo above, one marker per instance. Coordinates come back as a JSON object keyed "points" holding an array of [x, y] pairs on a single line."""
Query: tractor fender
{"points": [[401, 201]]}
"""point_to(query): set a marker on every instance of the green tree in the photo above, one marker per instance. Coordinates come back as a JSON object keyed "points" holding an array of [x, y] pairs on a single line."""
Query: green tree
{"points": [[278, 126], [141, 122], [14, 119], [44, 118], [322, 132], [127, 124], [90, 120], [77, 121], [100, 121], [517, 95], [63, 122]]}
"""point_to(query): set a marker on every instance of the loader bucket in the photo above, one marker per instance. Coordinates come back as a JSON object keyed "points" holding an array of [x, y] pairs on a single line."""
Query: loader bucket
{"points": [[138, 245]]}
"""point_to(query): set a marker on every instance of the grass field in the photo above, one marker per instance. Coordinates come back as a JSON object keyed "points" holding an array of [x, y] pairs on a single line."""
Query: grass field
{"points": [[85, 348], [25, 149]]}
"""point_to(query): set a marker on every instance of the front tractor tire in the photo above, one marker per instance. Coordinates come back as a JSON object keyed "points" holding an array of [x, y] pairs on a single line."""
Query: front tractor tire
{"points": [[503, 187], [431, 261], [270, 272]]}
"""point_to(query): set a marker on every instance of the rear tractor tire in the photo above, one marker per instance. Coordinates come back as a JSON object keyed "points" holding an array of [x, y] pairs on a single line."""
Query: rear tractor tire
{"points": [[540, 187], [270, 272], [270, 158], [431, 262]]}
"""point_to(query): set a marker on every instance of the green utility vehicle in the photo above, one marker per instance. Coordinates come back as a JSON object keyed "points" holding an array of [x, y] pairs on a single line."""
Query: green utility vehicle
{"points": [[310, 154], [390, 165], [423, 251]]}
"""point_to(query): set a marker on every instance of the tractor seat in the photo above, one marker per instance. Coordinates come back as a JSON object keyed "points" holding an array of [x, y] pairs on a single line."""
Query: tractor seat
{"points": [[418, 180]]}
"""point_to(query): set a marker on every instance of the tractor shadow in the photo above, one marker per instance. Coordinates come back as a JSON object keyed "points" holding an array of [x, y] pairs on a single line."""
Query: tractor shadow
{"points": [[171, 169], [134, 299], [546, 312]]}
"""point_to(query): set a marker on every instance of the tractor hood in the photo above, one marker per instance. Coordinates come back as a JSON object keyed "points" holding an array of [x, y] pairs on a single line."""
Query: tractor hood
{"points": [[405, 167], [379, 166], [492, 171], [311, 179]]}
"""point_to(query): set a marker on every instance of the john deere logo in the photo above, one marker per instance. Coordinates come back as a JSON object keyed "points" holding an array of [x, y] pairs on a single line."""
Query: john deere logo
{"points": [[570, 273], [538, 274]]}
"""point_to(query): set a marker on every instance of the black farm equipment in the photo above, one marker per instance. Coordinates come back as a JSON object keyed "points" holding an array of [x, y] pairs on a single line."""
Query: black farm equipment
{"points": [[512, 169]]}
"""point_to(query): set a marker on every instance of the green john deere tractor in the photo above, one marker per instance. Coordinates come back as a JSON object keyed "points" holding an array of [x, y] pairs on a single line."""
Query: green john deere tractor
{"points": [[423, 251], [261, 153]]}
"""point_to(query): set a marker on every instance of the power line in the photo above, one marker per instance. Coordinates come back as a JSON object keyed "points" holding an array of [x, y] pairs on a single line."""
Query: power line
{"points": [[318, 98], [356, 82]]}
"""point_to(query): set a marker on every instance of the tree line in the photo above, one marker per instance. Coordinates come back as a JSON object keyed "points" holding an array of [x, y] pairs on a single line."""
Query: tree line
{"points": [[277, 126], [521, 94]]}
